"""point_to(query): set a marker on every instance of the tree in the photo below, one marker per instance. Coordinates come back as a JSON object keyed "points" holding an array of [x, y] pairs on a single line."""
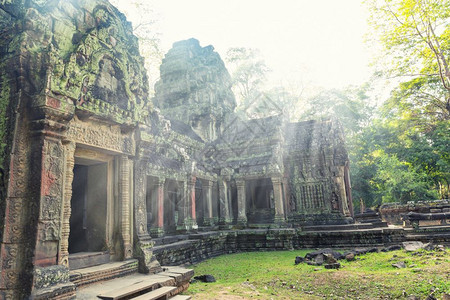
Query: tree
{"points": [[248, 73], [415, 120], [145, 26], [351, 106], [415, 35]]}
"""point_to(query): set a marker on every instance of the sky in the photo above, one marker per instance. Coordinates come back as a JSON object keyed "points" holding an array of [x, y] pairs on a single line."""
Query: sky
{"points": [[318, 42]]}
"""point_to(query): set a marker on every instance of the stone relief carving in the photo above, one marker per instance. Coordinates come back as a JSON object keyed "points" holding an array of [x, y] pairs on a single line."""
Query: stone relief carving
{"points": [[106, 137]]}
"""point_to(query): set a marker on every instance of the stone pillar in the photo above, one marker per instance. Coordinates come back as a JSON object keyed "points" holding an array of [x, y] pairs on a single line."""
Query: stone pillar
{"points": [[242, 214], [348, 189], [224, 207], [143, 245], [182, 223], [191, 216], [69, 149], [278, 198], [208, 219], [47, 209], [158, 230], [125, 203]]}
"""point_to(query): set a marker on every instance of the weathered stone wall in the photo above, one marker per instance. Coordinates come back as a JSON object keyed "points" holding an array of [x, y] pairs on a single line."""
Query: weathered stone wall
{"points": [[316, 165], [70, 76], [393, 213], [198, 247]]}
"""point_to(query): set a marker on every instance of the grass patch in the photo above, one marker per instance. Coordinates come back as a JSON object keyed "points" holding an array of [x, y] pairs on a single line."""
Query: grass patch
{"points": [[273, 275]]}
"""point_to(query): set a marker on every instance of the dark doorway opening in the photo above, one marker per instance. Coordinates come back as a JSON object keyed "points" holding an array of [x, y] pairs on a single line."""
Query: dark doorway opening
{"points": [[261, 206], [88, 207], [171, 203]]}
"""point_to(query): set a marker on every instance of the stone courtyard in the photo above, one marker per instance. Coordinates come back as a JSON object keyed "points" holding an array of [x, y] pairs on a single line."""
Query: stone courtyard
{"points": [[101, 181]]}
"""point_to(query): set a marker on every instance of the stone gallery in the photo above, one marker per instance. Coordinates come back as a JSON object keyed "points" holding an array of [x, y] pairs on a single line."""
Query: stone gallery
{"points": [[92, 164]]}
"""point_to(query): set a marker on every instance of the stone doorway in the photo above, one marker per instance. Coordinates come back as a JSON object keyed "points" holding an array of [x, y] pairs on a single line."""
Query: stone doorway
{"points": [[171, 206], [260, 197], [88, 204], [90, 212]]}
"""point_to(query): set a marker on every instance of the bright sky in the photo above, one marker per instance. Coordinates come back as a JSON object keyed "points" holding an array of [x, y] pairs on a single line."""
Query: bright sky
{"points": [[319, 42]]}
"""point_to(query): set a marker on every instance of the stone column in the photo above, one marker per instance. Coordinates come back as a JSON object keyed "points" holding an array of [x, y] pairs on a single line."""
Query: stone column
{"points": [[46, 210], [143, 244], [224, 208], [182, 209], [125, 203], [69, 154], [158, 205], [242, 214], [192, 219], [208, 219], [278, 198], [348, 189]]}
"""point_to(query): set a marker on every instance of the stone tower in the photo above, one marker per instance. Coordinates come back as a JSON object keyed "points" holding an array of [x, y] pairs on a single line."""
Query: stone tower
{"points": [[195, 88]]}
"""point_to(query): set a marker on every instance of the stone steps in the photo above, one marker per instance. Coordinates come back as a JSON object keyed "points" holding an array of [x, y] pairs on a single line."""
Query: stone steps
{"points": [[181, 297], [163, 285], [161, 293], [103, 272], [87, 259], [146, 285]]}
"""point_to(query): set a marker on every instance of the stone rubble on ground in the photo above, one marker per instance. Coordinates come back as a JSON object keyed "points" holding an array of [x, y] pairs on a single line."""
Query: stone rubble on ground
{"points": [[329, 257]]}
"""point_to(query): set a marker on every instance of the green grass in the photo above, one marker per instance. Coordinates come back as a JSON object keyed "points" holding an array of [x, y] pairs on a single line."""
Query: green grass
{"points": [[273, 275]]}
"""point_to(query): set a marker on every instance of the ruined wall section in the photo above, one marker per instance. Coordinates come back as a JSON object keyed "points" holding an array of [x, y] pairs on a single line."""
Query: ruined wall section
{"points": [[58, 59], [316, 162], [195, 88]]}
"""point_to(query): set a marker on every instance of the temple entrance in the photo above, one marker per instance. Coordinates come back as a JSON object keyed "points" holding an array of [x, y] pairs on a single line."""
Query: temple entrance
{"points": [[88, 218], [261, 206], [171, 203]]}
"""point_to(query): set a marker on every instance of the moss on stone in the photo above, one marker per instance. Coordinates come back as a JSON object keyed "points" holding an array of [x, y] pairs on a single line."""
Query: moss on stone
{"points": [[4, 100]]}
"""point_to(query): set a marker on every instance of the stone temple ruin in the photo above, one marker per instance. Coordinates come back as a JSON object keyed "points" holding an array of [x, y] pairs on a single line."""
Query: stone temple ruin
{"points": [[94, 171]]}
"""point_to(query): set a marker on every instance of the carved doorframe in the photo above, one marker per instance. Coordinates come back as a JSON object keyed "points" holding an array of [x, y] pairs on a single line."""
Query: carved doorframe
{"points": [[76, 152]]}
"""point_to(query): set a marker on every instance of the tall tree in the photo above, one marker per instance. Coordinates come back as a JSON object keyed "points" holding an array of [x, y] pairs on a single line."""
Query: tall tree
{"points": [[144, 18], [248, 72], [415, 35]]}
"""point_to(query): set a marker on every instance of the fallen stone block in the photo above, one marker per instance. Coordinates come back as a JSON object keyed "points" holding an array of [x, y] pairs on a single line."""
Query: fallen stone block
{"points": [[333, 266], [399, 265], [412, 246]]}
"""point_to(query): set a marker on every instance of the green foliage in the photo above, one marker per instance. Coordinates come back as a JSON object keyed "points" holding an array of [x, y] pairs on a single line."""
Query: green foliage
{"points": [[403, 155], [351, 106], [270, 275], [415, 36], [398, 181], [145, 21], [4, 101]]}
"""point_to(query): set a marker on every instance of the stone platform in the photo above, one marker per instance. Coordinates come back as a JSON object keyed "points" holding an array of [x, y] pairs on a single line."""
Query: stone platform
{"points": [[193, 248]]}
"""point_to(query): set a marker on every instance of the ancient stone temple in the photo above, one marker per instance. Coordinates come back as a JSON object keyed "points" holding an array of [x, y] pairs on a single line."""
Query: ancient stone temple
{"points": [[261, 171], [90, 166]]}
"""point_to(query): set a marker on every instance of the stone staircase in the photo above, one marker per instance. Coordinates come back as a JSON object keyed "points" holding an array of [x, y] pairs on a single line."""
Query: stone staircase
{"points": [[90, 275], [164, 285], [88, 259]]}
